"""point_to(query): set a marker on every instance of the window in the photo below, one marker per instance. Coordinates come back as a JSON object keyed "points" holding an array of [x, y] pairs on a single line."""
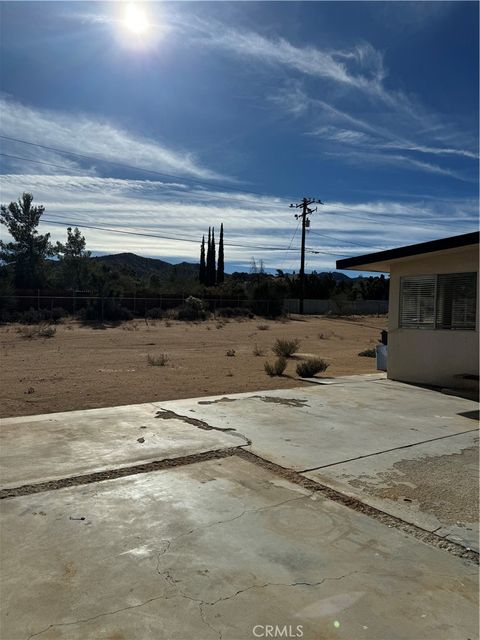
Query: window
{"points": [[445, 301]]}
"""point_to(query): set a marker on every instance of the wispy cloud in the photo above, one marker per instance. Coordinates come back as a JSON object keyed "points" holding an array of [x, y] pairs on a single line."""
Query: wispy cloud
{"points": [[92, 136], [145, 207], [384, 140], [360, 158], [360, 68]]}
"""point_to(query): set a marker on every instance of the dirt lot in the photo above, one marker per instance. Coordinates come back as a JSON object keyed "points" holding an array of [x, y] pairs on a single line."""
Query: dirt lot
{"points": [[85, 368]]}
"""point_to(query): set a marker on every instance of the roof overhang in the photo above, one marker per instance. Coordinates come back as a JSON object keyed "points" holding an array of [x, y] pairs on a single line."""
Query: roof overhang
{"points": [[382, 260]]}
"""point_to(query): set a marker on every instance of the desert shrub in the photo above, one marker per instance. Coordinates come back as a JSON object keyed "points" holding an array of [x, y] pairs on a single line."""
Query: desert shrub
{"points": [[323, 336], [234, 312], [132, 326], [285, 348], [157, 361], [31, 316], [277, 368], [40, 331], [263, 327], [257, 351], [57, 313], [155, 313], [171, 314], [193, 309], [46, 331], [230, 353], [368, 353], [111, 311], [27, 332], [266, 298], [312, 366]]}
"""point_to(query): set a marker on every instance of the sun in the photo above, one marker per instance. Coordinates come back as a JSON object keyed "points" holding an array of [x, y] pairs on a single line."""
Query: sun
{"points": [[135, 19]]}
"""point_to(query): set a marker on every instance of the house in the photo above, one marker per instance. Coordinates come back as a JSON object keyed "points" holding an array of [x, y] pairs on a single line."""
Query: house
{"points": [[433, 309]]}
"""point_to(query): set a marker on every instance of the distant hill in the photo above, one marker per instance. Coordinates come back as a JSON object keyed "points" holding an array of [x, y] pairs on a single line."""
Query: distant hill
{"points": [[142, 267]]}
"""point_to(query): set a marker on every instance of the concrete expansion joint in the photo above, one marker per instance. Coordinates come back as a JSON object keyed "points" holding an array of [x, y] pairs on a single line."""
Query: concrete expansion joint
{"points": [[426, 536], [378, 453], [118, 472]]}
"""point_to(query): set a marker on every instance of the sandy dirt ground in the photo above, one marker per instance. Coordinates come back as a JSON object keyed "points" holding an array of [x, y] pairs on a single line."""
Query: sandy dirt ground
{"points": [[85, 368]]}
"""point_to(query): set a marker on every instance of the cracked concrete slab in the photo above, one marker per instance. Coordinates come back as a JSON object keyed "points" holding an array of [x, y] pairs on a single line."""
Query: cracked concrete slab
{"points": [[432, 485], [303, 429], [212, 549], [58, 445]]}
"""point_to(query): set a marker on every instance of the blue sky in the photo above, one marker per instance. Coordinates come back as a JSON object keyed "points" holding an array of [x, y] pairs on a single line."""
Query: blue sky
{"points": [[372, 107]]}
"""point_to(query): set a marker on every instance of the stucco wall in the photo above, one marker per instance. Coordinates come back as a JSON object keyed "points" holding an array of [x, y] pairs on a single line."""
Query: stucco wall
{"points": [[431, 356]]}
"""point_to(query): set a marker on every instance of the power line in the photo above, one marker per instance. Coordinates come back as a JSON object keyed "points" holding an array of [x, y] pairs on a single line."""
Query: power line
{"points": [[217, 185], [50, 164], [66, 223], [290, 246], [141, 169], [199, 194], [324, 235]]}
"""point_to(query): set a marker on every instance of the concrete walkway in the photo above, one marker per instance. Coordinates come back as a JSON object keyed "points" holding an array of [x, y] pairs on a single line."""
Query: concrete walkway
{"points": [[239, 530]]}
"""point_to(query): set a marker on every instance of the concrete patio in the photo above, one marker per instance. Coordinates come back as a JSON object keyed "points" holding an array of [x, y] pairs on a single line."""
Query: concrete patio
{"points": [[227, 540]]}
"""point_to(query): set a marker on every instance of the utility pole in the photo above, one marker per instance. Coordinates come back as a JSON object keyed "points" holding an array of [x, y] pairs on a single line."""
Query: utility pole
{"points": [[304, 205]]}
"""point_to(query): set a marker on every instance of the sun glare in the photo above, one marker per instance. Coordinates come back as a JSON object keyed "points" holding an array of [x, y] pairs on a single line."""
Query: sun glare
{"points": [[135, 19]]}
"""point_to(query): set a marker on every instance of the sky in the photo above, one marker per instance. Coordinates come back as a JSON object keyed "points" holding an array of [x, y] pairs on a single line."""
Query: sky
{"points": [[144, 124]]}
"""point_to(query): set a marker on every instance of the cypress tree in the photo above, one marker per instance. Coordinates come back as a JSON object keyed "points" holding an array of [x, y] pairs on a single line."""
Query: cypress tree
{"points": [[201, 273], [209, 259], [213, 278], [220, 264]]}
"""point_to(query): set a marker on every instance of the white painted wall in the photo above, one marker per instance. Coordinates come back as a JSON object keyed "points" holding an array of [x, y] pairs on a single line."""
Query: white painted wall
{"points": [[428, 356]]}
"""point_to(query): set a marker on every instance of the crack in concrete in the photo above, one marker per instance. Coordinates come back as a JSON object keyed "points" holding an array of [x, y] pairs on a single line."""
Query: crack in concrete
{"points": [[288, 402], [377, 453], [219, 401], [166, 414], [215, 523], [99, 615]]}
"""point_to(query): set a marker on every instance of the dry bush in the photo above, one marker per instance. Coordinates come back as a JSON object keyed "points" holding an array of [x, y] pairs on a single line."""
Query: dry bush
{"points": [[323, 336], [46, 331], [263, 327], [157, 361], [285, 348], [277, 368], [41, 331], [230, 353], [312, 366], [258, 351], [368, 353], [130, 326]]}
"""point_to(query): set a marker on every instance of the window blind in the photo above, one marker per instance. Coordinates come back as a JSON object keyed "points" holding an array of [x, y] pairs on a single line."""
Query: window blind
{"points": [[444, 301], [456, 301], [417, 301]]}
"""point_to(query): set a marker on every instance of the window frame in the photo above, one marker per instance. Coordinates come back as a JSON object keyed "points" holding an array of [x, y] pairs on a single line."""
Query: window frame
{"points": [[434, 325]]}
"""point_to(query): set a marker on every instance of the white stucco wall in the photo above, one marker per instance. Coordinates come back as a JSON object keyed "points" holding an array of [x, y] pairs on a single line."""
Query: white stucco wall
{"points": [[431, 356]]}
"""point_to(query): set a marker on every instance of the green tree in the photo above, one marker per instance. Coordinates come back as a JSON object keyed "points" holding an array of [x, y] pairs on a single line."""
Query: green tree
{"points": [[29, 249], [201, 273], [221, 260], [74, 260]]}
